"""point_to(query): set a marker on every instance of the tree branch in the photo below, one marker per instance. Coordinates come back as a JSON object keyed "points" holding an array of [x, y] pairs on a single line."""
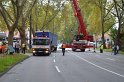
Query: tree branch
{"points": [[14, 8], [2, 11], [49, 20], [109, 28], [30, 9], [46, 14], [109, 10]]}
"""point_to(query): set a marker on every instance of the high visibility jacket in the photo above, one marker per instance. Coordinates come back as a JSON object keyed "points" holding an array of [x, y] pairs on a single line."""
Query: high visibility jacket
{"points": [[3, 48], [101, 47], [23, 45], [63, 45]]}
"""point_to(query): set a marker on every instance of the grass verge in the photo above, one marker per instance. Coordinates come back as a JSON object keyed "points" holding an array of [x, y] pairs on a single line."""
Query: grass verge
{"points": [[110, 50], [7, 61]]}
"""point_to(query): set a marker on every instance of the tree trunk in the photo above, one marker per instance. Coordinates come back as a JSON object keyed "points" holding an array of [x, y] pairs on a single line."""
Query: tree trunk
{"points": [[102, 23], [22, 35], [118, 37], [21, 30], [10, 37]]}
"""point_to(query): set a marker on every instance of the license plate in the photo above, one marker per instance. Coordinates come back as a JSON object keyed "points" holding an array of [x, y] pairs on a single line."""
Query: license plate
{"points": [[40, 51]]}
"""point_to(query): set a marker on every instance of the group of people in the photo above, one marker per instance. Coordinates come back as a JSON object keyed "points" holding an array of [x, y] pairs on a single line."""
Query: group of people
{"points": [[9, 49], [17, 47], [115, 49]]}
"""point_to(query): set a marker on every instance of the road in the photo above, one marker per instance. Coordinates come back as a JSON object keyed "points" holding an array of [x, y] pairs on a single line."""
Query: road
{"points": [[73, 67]]}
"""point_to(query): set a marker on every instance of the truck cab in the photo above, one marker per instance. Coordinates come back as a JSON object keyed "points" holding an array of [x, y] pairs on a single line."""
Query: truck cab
{"points": [[41, 46]]}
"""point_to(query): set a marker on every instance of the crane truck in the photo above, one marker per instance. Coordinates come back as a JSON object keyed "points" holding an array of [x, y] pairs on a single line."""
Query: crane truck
{"points": [[80, 41]]}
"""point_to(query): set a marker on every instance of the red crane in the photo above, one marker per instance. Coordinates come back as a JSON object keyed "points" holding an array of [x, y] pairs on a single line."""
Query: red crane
{"points": [[82, 37]]}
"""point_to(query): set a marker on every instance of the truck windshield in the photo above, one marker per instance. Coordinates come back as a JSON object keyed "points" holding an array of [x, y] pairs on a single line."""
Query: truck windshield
{"points": [[41, 41]]}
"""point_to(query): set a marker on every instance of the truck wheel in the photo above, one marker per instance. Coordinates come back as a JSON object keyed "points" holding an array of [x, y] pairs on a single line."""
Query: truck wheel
{"points": [[73, 49], [55, 49], [48, 54], [52, 49], [33, 54], [83, 50]]}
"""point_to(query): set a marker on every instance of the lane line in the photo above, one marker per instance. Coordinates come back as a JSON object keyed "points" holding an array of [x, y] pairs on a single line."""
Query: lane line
{"points": [[57, 69], [97, 65], [110, 59], [54, 60]]}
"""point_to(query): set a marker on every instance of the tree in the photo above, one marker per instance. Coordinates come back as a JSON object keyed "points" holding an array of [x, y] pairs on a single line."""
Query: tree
{"points": [[98, 16], [26, 9], [11, 19], [2, 24], [20, 10], [118, 13], [47, 11]]}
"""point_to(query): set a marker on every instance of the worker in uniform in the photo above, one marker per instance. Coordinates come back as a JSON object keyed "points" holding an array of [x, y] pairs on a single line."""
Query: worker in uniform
{"points": [[101, 48], [63, 48], [23, 48]]}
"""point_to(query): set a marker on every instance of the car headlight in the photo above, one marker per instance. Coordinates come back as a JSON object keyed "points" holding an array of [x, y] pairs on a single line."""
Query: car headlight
{"points": [[34, 51], [47, 49]]}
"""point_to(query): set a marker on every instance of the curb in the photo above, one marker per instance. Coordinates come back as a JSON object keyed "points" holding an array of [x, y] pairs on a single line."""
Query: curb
{"points": [[1, 74]]}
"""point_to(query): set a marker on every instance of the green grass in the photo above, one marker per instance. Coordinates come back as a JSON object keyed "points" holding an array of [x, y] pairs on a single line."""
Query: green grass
{"points": [[29, 50], [6, 61], [110, 50], [121, 52]]}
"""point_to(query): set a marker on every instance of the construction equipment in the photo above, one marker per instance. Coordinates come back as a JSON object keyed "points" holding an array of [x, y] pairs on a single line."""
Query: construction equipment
{"points": [[82, 38]]}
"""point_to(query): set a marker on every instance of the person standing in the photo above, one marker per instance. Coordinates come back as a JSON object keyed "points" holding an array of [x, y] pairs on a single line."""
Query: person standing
{"points": [[23, 48], [14, 46], [63, 48], [17, 45], [3, 47], [117, 49], [101, 48]]}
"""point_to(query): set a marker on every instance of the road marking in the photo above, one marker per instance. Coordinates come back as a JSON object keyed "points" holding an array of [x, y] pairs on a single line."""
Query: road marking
{"points": [[54, 60], [110, 59], [57, 68], [98, 66], [17, 79]]}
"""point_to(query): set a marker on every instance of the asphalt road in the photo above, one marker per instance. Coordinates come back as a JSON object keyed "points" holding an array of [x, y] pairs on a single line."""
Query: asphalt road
{"points": [[73, 67]]}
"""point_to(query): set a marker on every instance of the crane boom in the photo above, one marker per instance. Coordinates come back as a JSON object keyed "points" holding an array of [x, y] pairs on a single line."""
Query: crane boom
{"points": [[81, 27]]}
